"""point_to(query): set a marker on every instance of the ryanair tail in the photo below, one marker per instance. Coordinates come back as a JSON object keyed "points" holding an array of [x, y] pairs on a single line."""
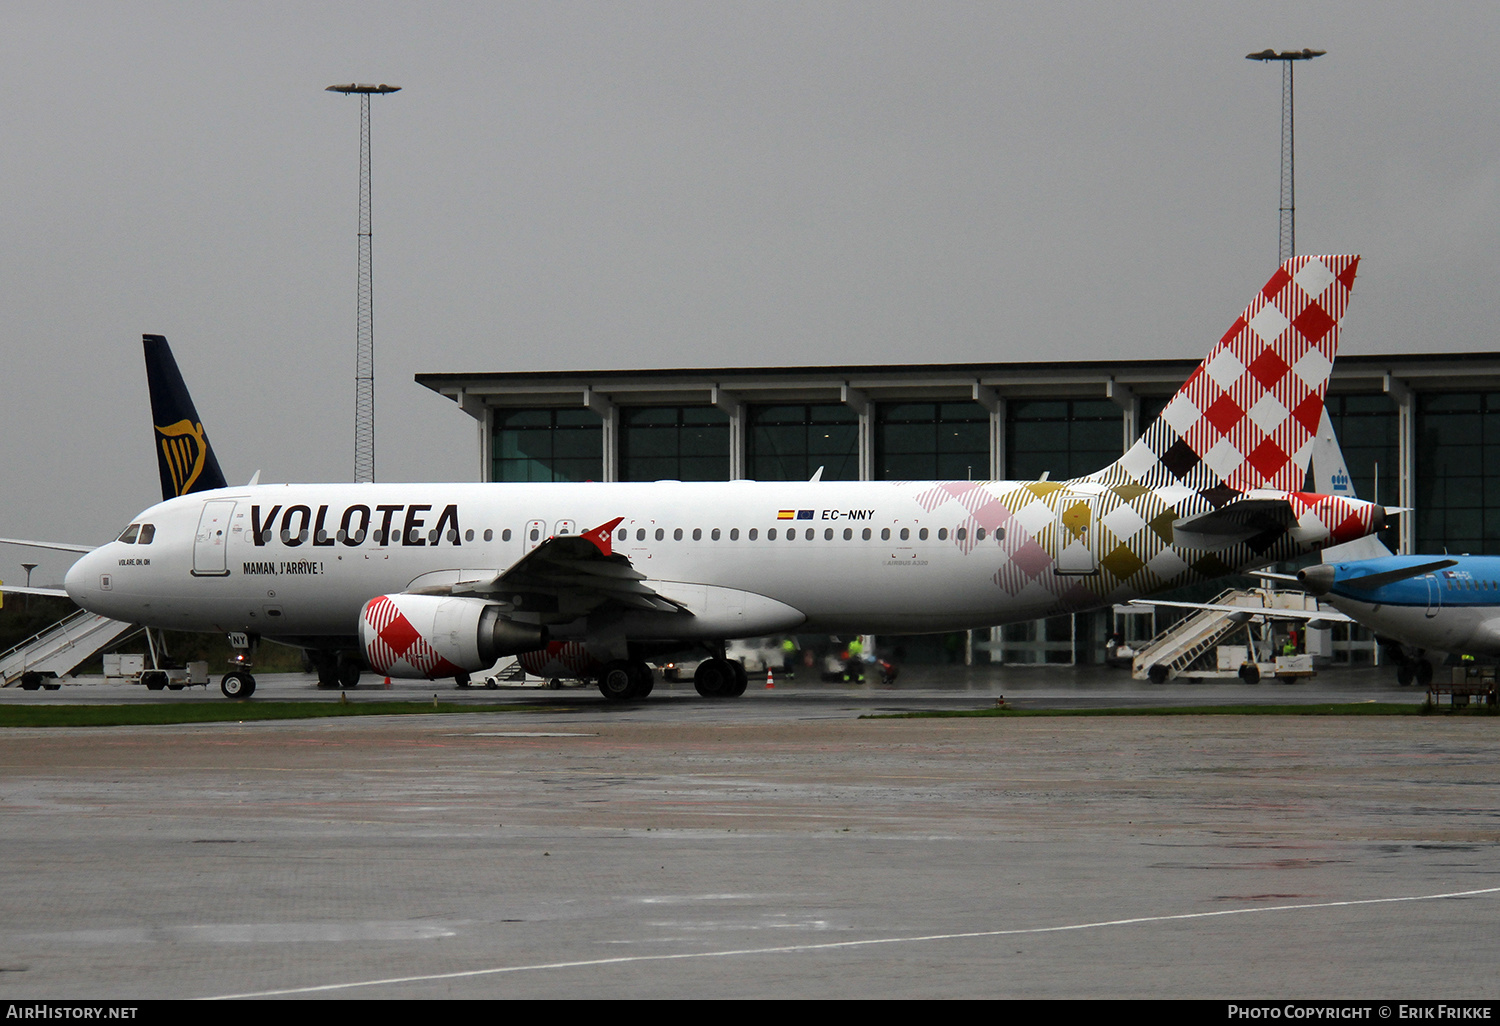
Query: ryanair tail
{"points": [[1248, 417], [183, 456]]}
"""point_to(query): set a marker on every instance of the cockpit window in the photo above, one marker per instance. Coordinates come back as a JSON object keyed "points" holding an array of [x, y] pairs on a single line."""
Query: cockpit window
{"points": [[130, 532], [148, 531]]}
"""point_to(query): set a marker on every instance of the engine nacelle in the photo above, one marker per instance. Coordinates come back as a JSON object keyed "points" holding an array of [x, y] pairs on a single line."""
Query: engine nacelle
{"points": [[436, 636]]}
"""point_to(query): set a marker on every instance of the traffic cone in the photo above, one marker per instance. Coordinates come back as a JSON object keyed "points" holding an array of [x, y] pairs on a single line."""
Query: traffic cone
{"points": [[770, 678]]}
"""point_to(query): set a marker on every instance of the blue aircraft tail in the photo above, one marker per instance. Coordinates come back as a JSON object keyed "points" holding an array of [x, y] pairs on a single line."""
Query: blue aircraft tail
{"points": [[183, 456]]}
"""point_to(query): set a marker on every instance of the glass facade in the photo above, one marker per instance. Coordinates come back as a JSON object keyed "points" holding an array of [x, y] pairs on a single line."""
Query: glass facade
{"points": [[1458, 472], [1368, 429], [547, 445], [1064, 437], [674, 443], [789, 443], [932, 441]]}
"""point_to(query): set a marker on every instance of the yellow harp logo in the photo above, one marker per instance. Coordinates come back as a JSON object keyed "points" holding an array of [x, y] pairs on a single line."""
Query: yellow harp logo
{"points": [[184, 448]]}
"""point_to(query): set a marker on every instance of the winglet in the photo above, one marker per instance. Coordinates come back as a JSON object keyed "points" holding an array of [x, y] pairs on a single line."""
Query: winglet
{"points": [[602, 536]]}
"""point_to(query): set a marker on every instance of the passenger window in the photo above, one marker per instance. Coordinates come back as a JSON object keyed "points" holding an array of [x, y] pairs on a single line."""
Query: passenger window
{"points": [[753, 533], [905, 534], [810, 533], [963, 533], [677, 535], [771, 534], [734, 534], [624, 533], [468, 535], [885, 534], [922, 534], [942, 534], [979, 535], [865, 534], [715, 535], [848, 533], [640, 534], [128, 535], [504, 535], [660, 533], [148, 531], [697, 534]]}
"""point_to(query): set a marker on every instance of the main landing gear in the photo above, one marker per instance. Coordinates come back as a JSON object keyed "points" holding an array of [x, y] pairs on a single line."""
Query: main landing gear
{"points": [[624, 679], [721, 678], [336, 669]]}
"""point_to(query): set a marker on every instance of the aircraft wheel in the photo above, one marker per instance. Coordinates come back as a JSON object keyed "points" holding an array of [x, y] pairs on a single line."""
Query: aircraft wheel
{"points": [[1250, 673], [1405, 674], [1157, 674], [714, 678], [741, 679], [1424, 672], [645, 678], [237, 685], [349, 675], [617, 681]]}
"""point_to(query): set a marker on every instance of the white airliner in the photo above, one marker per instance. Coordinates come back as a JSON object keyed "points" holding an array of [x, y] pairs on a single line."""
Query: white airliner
{"points": [[441, 580]]}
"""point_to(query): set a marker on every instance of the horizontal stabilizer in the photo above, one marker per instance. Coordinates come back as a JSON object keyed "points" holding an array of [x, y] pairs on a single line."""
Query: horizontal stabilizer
{"points": [[1372, 581], [1234, 523], [1312, 617]]}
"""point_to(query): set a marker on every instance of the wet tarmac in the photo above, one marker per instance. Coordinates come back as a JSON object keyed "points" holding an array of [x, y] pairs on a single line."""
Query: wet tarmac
{"points": [[780, 845]]}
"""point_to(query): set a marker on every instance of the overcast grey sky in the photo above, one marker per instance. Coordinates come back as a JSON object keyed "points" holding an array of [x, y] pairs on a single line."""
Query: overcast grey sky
{"points": [[597, 185]]}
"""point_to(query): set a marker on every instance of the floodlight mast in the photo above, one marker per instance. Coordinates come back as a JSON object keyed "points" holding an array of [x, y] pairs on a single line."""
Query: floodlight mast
{"points": [[1288, 232], [364, 356]]}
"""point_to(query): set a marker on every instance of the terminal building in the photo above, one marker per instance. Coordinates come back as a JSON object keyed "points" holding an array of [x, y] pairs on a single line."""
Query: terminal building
{"points": [[1421, 432]]}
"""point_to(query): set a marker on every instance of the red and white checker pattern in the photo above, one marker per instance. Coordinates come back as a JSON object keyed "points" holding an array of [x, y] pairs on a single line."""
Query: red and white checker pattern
{"points": [[1247, 417], [397, 649], [559, 659]]}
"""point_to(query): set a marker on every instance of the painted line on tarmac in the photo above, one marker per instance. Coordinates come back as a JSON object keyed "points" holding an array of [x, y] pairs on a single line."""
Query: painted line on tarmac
{"points": [[836, 945]]}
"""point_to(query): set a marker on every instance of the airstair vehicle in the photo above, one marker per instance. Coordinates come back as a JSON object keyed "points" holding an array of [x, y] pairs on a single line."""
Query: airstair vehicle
{"points": [[1197, 646], [38, 661]]}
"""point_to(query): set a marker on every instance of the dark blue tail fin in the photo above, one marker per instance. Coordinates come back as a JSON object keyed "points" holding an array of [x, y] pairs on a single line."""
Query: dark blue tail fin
{"points": [[183, 456]]}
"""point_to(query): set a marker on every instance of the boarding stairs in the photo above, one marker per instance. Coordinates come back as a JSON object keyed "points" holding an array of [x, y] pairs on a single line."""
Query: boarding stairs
{"points": [[58, 649], [1181, 645]]}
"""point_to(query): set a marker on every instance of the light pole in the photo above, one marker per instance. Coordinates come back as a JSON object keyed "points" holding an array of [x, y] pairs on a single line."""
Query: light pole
{"points": [[1288, 233], [364, 356]]}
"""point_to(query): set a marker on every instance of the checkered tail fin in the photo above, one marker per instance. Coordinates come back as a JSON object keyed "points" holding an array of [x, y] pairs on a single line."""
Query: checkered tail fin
{"points": [[1248, 416]]}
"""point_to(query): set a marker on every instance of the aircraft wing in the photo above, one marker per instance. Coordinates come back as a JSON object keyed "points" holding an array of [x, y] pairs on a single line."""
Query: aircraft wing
{"points": [[568, 576], [11, 589], [63, 546], [1309, 616]]}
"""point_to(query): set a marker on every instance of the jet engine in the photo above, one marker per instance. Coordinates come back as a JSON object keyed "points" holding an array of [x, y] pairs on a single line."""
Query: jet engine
{"points": [[434, 636]]}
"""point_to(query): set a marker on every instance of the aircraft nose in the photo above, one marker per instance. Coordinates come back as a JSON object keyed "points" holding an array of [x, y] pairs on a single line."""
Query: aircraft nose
{"points": [[79, 582], [1318, 579]]}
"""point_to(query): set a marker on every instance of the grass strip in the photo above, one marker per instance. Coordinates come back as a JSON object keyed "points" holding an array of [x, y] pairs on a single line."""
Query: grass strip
{"points": [[232, 712], [1320, 709]]}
